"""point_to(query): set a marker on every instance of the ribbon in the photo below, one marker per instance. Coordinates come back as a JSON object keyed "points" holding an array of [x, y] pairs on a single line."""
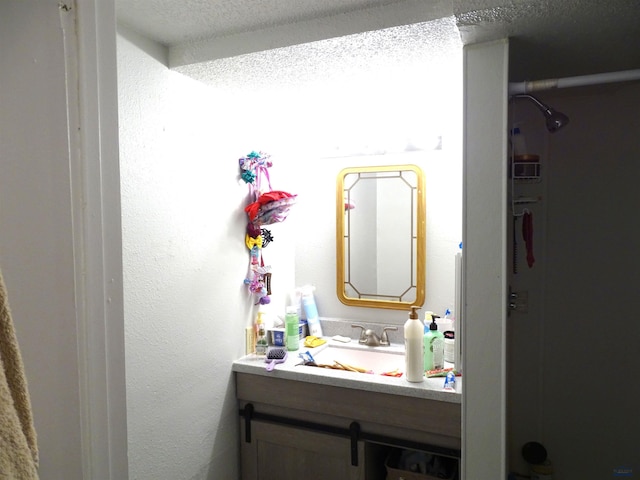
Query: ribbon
{"points": [[253, 241]]}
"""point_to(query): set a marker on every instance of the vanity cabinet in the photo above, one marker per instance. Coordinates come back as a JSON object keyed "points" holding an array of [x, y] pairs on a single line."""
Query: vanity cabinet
{"points": [[282, 452], [294, 429]]}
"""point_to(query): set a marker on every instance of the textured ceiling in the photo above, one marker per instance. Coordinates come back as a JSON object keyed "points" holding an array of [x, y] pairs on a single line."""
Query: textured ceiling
{"points": [[425, 50], [557, 38], [548, 38], [172, 22]]}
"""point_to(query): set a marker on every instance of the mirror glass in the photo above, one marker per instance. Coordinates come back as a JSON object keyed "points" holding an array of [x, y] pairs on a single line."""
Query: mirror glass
{"points": [[380, 236]]}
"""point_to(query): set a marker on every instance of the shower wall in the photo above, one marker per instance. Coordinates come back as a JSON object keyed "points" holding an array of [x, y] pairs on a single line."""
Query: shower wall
{"points": [[570, 354]]}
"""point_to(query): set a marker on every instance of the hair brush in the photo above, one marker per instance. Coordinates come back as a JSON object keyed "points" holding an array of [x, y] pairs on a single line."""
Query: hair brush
{"points": [[275, 355]]}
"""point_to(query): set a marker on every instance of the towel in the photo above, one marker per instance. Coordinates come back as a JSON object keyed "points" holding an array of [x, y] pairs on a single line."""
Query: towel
{"points": [[18, 443]]}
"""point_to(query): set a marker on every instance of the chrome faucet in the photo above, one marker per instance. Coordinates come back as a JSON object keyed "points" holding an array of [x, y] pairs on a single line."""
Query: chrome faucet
{"points": [[370, 338], [384, 339]]}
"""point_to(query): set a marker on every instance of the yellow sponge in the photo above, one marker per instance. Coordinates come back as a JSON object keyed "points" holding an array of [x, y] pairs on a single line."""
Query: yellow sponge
{"points": [[313, 342]]}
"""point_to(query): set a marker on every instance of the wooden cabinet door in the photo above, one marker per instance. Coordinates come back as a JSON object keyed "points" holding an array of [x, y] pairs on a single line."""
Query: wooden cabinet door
{"points": [[279, 452]]}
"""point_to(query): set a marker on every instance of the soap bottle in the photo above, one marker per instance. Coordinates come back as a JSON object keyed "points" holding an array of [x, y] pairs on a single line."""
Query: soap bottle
{"points": [[292, 328], [261, 336], [433, 347], [413, 346]]}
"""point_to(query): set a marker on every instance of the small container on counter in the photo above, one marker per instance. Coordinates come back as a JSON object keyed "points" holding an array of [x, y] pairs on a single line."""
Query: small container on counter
{"points": [[277, 337]]}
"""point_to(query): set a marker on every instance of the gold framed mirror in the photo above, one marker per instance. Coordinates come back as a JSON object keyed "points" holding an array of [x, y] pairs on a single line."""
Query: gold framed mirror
{"points": [[381, 236]]}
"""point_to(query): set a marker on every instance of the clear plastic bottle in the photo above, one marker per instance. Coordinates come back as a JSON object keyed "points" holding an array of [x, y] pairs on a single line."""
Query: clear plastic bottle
{"points": [[292, 328], [261, 339], [413, 346]]}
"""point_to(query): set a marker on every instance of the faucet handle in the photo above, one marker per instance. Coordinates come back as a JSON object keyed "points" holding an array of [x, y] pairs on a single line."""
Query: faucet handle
{"points": [[362, 338], [384, 339]]}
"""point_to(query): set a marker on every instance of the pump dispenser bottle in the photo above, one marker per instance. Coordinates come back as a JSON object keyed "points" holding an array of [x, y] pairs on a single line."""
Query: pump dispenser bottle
{"points": [[261, 340], [413, 346], [433, 347]]}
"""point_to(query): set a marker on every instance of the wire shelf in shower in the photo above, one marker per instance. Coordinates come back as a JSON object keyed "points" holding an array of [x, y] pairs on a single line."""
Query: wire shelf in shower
{"points": [[524, 169]]}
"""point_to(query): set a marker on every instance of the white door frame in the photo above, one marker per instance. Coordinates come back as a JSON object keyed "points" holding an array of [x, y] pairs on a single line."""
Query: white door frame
{"points": [[98, 243], [90, 48], [485, 260]]}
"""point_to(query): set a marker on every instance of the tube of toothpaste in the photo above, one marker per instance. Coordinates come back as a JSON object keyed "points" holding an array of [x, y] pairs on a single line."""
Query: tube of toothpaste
{"points": [[450, 382], [307, 357]]}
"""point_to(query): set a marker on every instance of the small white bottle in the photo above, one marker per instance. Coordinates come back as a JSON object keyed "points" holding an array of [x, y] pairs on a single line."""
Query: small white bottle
{"points": [[414, 347], [518, 142], [311, 311]]}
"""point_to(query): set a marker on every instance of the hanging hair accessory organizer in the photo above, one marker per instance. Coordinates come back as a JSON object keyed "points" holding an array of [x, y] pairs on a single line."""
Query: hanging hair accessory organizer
{"points": [[267, 207]]}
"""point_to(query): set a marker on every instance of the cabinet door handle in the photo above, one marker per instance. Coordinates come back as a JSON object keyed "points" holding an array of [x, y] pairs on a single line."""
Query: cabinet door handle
{"points": [[248, 414], [354, 433]]}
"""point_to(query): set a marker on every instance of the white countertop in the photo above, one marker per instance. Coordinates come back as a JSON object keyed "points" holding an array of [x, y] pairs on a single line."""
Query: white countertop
{"points": [[292, 369]]}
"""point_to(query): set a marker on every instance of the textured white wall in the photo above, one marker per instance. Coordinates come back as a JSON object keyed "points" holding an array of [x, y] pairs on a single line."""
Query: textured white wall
{"points": [[376, 98], [184, 260]]}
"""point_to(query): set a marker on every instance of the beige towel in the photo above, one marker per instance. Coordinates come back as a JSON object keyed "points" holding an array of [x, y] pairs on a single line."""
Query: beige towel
{"points": [[18, 446]]}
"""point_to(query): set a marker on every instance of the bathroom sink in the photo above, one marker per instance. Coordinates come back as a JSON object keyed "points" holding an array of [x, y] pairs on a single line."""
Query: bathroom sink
{"points": [[377, 360]]}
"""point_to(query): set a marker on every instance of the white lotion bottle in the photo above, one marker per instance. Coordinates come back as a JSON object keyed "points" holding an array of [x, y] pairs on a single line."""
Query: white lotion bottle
{"points": [[414, 347]]}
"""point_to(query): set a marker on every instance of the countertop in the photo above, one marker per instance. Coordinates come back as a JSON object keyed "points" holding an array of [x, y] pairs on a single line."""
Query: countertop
{"points": [[292, 369]]}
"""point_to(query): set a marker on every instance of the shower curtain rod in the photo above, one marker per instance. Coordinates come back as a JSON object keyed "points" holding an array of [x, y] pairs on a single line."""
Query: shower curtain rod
{"points": [[566, 82]]}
